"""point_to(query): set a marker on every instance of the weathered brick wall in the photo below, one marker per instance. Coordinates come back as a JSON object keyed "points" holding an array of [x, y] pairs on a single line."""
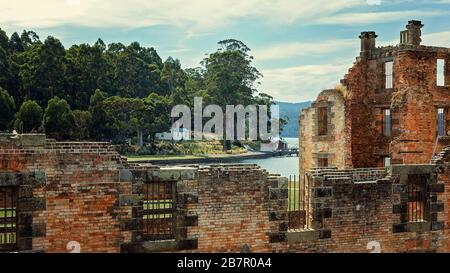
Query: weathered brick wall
{"points": [[356, 210], [78, 201], [85, 193], [367, 97], [335, 146], [413, 102], [232, 209]]}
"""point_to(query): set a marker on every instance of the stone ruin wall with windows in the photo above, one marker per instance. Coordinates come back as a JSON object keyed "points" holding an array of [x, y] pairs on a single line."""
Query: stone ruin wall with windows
{"points": [[402, 79], [84, 197]]}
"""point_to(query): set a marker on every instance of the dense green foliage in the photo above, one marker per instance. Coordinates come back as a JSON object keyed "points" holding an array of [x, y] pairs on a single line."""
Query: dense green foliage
{"points": [[29, 117], [7, 109], [112, 92]]}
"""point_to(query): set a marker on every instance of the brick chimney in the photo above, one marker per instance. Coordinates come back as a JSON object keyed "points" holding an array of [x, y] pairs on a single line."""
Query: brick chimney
{"points": [[368, 42], [413, 33]]}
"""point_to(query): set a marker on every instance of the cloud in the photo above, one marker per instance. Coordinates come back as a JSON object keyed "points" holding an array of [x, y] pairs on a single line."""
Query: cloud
{"points": [[196, 14], [437, 39], [301, 83], [296, 49], [376, 17]]}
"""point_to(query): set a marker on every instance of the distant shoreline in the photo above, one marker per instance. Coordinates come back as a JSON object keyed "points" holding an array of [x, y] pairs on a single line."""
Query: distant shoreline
{"points": [[208, 159]]}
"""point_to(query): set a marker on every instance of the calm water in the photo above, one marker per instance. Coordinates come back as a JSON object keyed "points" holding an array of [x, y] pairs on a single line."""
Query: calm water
{"points": [[285, 166]]}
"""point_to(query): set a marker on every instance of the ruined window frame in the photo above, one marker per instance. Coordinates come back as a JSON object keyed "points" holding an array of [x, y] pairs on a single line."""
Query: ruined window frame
{"points": [[323, 162], [417, 209], [152, 212], [441, 121], [387, 161], [387, 122], [389, 74], [322, 121], [440, 74], [8, 228]]}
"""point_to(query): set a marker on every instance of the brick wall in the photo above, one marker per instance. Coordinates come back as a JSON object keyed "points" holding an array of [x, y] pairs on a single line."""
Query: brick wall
{"points": [[413, 101], [73, 199], [364, 210], [83, 195]]}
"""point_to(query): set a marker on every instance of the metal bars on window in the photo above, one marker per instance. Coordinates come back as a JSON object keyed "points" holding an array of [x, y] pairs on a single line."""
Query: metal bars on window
{"points": [[159, 211], [417, 186], [8, 218], [298, 201]]}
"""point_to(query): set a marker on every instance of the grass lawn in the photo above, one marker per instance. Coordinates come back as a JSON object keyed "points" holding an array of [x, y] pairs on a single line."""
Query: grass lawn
{"points": [[7, 213], [161, 157], [294, 196]]}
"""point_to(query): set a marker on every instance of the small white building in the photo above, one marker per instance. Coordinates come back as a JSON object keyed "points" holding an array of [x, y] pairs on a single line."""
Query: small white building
{"points": [[274, 144], [174, 134]]}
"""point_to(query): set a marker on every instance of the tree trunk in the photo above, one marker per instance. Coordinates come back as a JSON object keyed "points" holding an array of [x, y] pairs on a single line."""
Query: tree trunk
{"points": [[140, 138]]}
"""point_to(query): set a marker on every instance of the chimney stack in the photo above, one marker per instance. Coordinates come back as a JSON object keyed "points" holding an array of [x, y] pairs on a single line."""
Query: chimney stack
{"points": [[413, 33], [368, 42]]}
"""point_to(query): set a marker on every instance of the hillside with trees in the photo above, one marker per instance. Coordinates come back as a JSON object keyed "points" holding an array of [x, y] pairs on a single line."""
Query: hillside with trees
{"points": [[112, 92]]}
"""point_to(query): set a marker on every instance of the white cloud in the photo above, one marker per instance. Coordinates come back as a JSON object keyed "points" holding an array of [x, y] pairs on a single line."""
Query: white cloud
{"points": [[194, 14], [376, 17], [437, 39], [295, 49], [301, 83]]}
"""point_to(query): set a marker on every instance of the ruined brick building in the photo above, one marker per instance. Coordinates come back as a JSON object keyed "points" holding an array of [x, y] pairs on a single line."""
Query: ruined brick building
{"points": [[392, 108], [375, 165]]}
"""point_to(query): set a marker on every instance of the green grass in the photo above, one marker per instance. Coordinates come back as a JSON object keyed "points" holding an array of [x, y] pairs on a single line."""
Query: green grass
{"points": [[8, 238], [293, 196], [155, 204], [9, 212], [161, 157]]}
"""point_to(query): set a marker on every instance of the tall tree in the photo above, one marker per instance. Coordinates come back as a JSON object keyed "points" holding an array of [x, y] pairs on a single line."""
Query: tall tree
{"points": [[7, 109], [29, 117], [172, 74], [86, 70], [42, 70], [59, 121], [15, 43], [98, 129], [83, 120], [230, 76]]}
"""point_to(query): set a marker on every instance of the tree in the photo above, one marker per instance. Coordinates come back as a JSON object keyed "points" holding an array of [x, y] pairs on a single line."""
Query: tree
{"points": [[4, 40], [42, 69], [7, 109], [136, 70], [229, 75], [29, 117], [86, 70], [98, 128], [15, 43], [83, 120], [29, 38], [157, 116], [59, 121], [172, 74]]}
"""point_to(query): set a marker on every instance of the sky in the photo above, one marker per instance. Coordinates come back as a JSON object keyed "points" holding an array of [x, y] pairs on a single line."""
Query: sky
{"points": [[300, 46]]}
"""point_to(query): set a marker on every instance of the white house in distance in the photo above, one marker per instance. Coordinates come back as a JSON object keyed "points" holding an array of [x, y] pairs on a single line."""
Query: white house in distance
{"points": [[181, 134], [273, 145]]}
